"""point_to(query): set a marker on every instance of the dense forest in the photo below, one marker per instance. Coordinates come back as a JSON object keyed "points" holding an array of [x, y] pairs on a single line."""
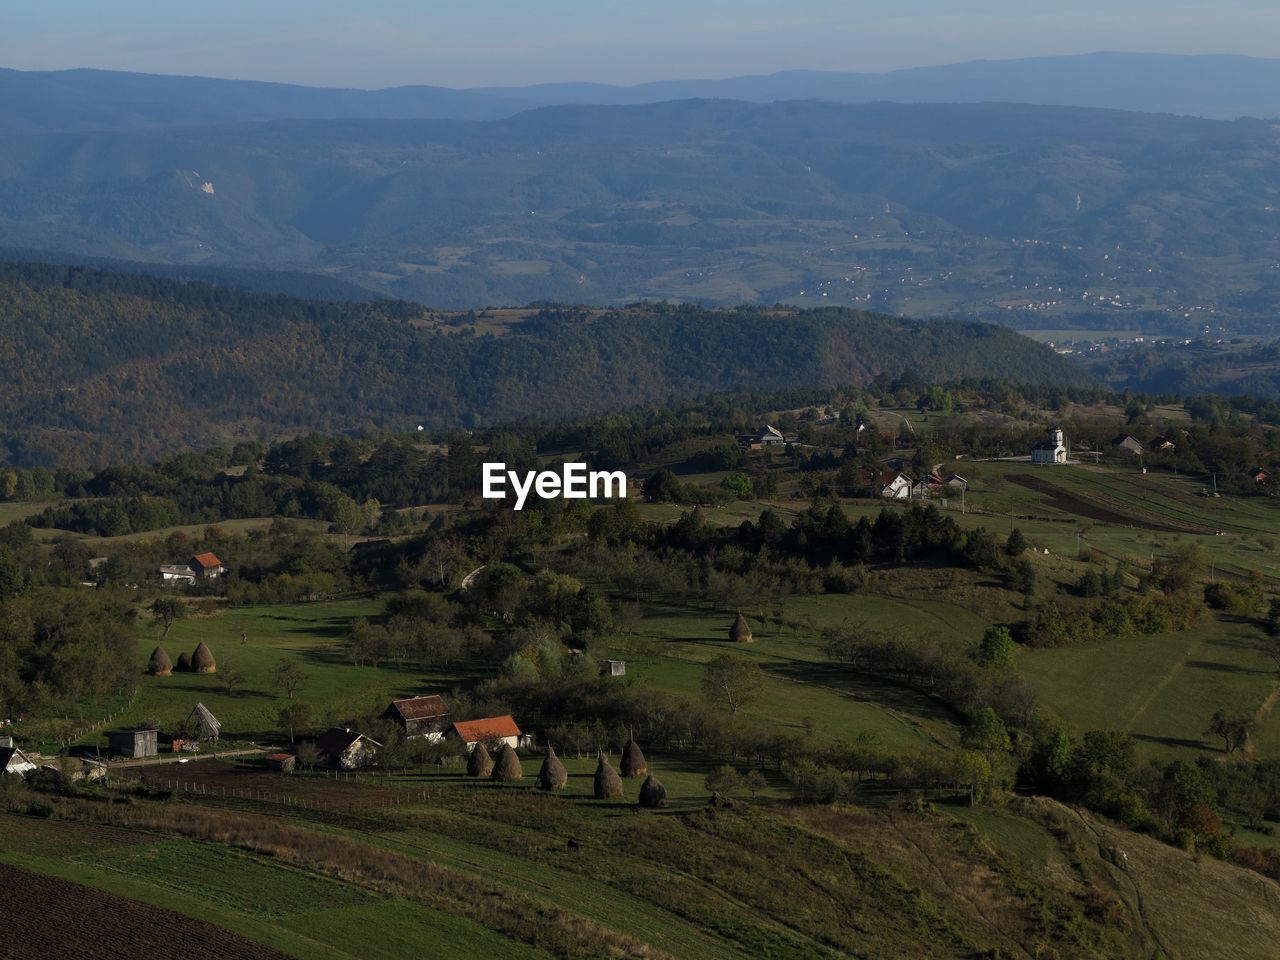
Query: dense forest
{"points": [[105, 367]]}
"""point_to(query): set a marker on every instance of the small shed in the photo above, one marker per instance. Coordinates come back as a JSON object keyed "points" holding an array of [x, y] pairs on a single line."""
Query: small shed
{"points": [[134, 743], [206, 725], [613, 668], [282, 762]]}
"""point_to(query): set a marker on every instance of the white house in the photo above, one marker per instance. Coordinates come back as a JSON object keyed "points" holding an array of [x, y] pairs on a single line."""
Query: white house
{"points": [[346, 749], [1052, 450], [895, 486], [13, 760]]}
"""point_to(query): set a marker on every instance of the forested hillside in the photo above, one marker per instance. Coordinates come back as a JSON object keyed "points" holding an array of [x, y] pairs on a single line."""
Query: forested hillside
{"points": [[111, 367]]}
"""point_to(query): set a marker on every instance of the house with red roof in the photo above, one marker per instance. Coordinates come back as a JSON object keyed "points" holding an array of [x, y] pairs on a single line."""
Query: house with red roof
{"points": [[489, 730]]}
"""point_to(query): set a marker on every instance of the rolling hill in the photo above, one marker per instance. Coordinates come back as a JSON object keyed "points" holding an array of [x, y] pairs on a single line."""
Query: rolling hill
{"points": [[106, 366]]}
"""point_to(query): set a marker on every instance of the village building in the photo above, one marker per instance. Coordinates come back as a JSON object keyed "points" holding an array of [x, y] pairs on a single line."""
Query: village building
{"points": [[419, 716], [203, 723], [1162, 444], [489, 730], [926, 487], [957, 483], [13, 760], [1051, 451], [1128, 444], [765, 438], [202, 566], [76, 769], [282, 762], [613, 668], [894, 485], [134, 743], [1259, 476], [345, 749]]}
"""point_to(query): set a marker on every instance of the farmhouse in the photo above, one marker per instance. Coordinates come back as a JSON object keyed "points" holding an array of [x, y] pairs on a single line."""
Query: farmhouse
{"points": [[1162, 444], [204, 723], [926, 487], [13, 760], [501, 730], [203, 566], [957, 482], [345, 749], [893, 485], [1259, 476], [134, 743], [1052, 450], [1127, 444], [76, 769], [765, 437], [419, 716], [613, 668]]}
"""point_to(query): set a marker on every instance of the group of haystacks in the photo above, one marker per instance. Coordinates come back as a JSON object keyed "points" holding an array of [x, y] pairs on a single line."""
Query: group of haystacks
{"points": [[200, 661], [553, 775]]}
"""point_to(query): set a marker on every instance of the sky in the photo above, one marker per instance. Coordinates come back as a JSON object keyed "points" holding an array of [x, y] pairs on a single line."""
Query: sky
{"points": [[462, 43]]}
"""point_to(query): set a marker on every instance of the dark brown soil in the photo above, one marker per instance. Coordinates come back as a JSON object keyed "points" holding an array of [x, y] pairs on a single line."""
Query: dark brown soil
{"points": [[49, 917]]}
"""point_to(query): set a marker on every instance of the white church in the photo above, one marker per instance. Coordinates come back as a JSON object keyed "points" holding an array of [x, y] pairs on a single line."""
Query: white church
{"points": [[1052, 450]]}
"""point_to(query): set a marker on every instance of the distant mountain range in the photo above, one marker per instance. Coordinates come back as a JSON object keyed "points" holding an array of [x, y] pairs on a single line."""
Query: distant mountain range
{"points": [[1216, 86], [1030, 215]]}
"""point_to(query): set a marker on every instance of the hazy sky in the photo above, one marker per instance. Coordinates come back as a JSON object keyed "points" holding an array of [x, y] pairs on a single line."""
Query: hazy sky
{"points": [[375, 43]]}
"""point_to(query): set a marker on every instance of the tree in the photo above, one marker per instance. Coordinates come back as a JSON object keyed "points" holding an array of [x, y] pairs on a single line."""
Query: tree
{"points": [[1016, 544], [167, 611], [732, 682], [996, 648], [308, 754], [288, 677], [987, 732], [1234, 729], [723, 780], [1271, 648], [293, 717], [231, 678]]}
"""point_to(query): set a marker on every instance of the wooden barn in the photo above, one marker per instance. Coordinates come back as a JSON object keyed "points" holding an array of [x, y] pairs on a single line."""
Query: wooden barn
{"points": [[613, 668], [345, 749], [489, 730], [419, 716], [134, 743], [205, 725]]}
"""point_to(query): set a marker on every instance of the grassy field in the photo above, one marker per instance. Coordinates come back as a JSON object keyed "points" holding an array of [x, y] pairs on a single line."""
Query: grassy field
{"points": [[254, 640]]}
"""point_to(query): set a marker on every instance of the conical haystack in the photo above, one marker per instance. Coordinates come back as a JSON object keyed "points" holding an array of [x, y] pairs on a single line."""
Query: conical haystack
{"points": [[479, 764], [184, 661], [633, 762], [159, 665], [507, 766], [608, 785], [740, 632], [553, 775], [653, 793], [202, 660]]}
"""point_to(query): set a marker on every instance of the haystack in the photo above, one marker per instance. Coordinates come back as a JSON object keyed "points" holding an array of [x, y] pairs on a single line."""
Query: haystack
{"points": [[608, 784], [507, 766], [184, 661], [740, 632], [159, 665], [479, 764], [202, 660], [633, 762], [553, 775], [653, 793]]}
